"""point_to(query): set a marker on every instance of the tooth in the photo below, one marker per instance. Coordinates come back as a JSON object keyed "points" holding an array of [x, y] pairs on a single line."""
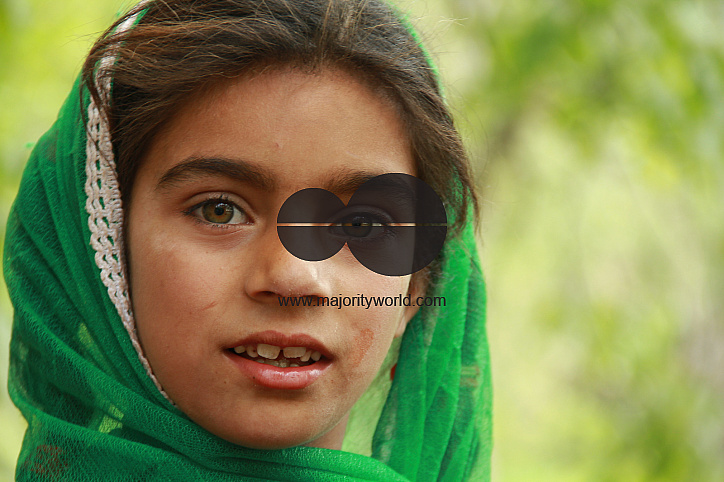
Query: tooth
{"points": [[273, 363], [294, 351], [306, 355], [260, 360], [283, 363], [316, 356], [251, 351], [239, 349], [268, 351], [293, 365]]}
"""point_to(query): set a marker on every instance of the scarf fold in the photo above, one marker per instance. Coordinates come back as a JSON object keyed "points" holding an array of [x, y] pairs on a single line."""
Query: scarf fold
{"points": [[93, 410]]}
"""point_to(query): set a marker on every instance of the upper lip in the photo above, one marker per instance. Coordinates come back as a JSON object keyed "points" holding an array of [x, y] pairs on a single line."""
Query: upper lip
{"points": [[283, 340]]}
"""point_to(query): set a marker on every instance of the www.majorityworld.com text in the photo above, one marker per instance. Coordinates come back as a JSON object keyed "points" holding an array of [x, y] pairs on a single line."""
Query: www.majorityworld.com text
{"points": [[361, 300]]}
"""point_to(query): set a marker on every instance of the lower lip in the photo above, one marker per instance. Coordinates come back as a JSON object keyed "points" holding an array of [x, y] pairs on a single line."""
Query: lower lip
{"points": [[280, 378]]}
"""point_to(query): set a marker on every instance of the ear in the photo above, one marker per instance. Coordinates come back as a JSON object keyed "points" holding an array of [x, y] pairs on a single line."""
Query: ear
{"points": [[417, 287]]}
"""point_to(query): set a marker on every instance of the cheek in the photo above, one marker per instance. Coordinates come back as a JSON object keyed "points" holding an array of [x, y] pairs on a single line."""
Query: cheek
{"points": [[370, 345], [173, 287], [375, 327], [361, 346]]}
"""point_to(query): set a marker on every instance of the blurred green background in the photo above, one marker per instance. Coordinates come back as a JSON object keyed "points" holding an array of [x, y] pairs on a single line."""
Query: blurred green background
{"points": [[596, 129]]}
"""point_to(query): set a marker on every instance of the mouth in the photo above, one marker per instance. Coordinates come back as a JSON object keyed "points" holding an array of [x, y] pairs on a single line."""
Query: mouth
{"points": [[274, 360], [280, 357]]}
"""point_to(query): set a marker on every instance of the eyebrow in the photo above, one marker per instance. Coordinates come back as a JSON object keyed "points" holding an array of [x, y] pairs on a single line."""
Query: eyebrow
{"points": [[237, 169], [347, 181], [343, 182]]}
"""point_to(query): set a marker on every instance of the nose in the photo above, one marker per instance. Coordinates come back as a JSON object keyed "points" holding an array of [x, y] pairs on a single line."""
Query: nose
{"points": [[276, 272]]}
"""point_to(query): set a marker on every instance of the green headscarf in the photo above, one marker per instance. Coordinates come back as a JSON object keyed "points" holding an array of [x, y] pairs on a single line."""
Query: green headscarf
{"points": [[93, 407]]}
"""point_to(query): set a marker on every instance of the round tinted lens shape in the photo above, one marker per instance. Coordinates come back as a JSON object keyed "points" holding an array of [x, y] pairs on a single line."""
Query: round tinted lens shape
{"points": [[416, 229], [309, 206]]}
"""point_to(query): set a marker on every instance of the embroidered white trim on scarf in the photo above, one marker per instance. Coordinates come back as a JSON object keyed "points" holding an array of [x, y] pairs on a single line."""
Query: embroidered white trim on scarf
{"points": [[103, 204]]}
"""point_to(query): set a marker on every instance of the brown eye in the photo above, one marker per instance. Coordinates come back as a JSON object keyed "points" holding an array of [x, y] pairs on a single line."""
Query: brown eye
{"points": [[218, 211], [358, 226], [361, 225]]}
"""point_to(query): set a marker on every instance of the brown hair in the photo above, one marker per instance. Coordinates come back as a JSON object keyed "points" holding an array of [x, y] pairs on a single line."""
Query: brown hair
{"points": [[180, 45]]}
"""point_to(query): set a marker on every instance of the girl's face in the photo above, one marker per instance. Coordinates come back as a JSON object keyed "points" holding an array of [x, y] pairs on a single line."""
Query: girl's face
{"points": [[207, 267]]}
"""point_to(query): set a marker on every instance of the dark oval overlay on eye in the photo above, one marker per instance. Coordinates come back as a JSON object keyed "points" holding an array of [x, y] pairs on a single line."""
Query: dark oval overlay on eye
{"points": [[311, 205], [408, 248], [369, 224]]}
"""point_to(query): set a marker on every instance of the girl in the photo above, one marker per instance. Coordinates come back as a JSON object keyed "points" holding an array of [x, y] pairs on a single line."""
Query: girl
{"points": [[145, 267]]}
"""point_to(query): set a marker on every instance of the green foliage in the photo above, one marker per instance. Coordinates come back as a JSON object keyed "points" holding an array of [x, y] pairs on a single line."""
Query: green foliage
{"points": [[596, 128]]}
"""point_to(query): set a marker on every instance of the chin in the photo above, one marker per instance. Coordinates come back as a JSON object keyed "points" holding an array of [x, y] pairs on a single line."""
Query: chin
{"points": [[277, 438], [269, 443]]}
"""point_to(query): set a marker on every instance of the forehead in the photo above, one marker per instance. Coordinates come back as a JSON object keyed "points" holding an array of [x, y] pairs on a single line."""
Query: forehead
{"points": [[298, 129]]}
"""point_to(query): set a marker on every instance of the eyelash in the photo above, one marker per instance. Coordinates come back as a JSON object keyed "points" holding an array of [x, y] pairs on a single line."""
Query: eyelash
{"points": [[216, 199], [378, 219]]}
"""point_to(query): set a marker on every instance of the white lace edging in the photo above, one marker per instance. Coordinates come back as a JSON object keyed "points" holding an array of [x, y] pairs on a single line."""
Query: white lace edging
{"points": [[105, 213]]}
